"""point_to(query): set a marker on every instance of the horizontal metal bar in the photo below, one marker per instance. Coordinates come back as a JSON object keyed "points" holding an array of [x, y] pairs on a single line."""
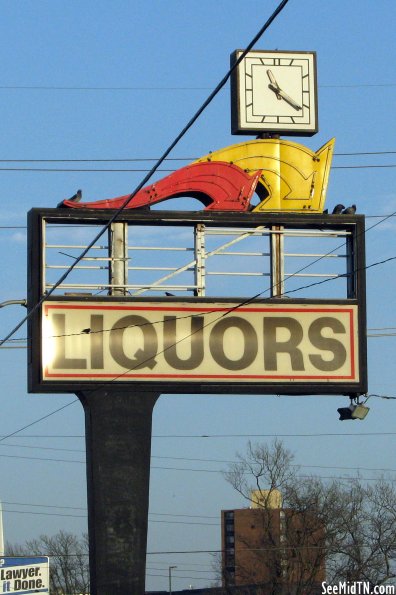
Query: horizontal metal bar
{"points": [[235, 231], [305, 254], [167, 248], [79, 286], [97, 259], [312, 234], [64, 267], [75, 246], [157, 269], [329, 275], [243, 254], [239, 274], [109, 286], [286, 232]]}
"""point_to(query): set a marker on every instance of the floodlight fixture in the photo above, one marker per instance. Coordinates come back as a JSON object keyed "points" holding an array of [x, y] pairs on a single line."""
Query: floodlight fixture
{"points": [[355, 410]]}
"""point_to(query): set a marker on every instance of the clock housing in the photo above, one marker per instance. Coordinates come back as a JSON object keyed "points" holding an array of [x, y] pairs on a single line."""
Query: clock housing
{"points": [[274, 92]]}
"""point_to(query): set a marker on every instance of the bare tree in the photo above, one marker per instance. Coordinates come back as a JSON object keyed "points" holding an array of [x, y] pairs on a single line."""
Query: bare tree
{"points": [[69, 562], [366, 548], [347, 529]]}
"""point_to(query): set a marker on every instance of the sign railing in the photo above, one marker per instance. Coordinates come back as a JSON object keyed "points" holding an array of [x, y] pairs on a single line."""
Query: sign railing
{"points": [[213, 253]]}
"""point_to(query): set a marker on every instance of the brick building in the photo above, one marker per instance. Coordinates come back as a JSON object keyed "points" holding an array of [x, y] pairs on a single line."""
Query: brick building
{"points": [[271, 545]]}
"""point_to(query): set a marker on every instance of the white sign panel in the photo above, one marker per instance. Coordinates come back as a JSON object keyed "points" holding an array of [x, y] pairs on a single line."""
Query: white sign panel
{"points": [[193, 342], [24, 575]]}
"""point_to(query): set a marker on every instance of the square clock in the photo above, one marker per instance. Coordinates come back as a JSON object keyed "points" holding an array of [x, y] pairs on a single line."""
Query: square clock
{"points": [[274, 92]]}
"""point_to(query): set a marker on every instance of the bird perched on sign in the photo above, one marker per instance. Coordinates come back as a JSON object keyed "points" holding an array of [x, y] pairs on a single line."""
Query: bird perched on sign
{"points": [[338, 209], [349, 210], [75, 198]]}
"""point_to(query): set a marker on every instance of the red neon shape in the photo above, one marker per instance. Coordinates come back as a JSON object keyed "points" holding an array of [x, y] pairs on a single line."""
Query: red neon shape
{"points": [[220, 186]]}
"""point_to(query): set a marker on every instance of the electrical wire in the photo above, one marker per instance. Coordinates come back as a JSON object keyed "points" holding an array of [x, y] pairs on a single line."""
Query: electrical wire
{"points": [[189, 124], [282, 547], [140, 159], [194, 459], [227, 311], [83, 516], [260, 549], [38, 420], [156, 89], [257, 295], [206, 436], [217, 471], [211, 436], [178, 522], [142, 170]]}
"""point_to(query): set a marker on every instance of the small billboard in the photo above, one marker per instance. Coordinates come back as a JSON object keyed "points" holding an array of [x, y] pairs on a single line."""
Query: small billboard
{"points": [[24, 575]]}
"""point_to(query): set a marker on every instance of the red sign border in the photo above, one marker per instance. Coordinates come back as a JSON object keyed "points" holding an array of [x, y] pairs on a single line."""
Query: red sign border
{"points": [[208, 377]]}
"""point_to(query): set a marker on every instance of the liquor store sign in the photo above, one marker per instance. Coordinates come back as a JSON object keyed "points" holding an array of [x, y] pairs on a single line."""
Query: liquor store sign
{"points": [[184, 342]]}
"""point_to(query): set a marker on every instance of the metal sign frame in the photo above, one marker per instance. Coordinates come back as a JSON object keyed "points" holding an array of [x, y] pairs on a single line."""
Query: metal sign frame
{"points": [[354, 224]]}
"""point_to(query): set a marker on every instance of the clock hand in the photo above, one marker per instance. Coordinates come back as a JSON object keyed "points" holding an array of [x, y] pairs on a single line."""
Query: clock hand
{"points": [[274, 84], [282, 95], [289, 100]]}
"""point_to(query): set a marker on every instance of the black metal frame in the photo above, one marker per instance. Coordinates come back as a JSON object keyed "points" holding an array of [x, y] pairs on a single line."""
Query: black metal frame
{"points": [[356, 296]]}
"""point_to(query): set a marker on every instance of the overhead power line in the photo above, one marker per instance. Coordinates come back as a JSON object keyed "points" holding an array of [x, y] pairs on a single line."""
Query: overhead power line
{"points": [[155, 167], [162, 88], [143, 170], [145, 159], [355, 468], [245, 302], [37, 420], [206, 436]]}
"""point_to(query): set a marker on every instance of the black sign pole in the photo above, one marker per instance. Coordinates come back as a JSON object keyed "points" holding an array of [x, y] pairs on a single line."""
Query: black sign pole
{"points": [[118, 445]]}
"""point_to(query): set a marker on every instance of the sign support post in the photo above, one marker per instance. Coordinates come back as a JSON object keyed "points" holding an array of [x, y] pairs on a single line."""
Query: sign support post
{"points": [[118, 446]]}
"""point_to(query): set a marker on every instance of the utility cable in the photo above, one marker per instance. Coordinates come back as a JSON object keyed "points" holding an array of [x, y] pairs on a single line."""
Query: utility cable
{"points": [[38, 420], [369, 266], [155, 166], [283, 547], [140, 159], [235, 462], [206, 436], [151, 171], [80, 225], [128, 88], [190, 459], [226, 310]]}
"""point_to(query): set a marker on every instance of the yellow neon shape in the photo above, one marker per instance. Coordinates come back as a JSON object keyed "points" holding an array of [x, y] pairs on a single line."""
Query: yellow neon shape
{"points": [[293, 178]]}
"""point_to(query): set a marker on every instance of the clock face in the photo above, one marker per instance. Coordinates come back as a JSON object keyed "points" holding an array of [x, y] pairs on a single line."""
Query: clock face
{"points": [[274, 92]]}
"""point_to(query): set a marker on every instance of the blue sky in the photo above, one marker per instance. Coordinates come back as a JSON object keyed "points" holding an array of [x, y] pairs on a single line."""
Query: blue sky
{"points": [[117, 80]]}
